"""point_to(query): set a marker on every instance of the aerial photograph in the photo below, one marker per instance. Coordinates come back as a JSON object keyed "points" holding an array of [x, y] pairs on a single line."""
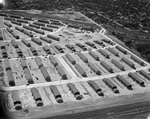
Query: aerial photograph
{"points": [[74, 59]]}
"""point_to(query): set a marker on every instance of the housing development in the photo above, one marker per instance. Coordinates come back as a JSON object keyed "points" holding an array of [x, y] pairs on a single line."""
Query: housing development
{"points": [[52, 67]]}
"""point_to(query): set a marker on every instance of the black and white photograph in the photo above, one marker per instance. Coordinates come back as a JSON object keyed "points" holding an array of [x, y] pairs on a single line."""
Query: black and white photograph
{"points": [[74, 59]]}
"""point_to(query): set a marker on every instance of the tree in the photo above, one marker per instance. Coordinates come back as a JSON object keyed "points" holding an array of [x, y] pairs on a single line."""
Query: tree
{"points": [[146, 52], [148, 57]]}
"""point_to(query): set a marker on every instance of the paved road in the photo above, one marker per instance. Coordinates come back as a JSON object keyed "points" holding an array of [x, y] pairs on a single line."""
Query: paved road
{"points": [[73, 80]]}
